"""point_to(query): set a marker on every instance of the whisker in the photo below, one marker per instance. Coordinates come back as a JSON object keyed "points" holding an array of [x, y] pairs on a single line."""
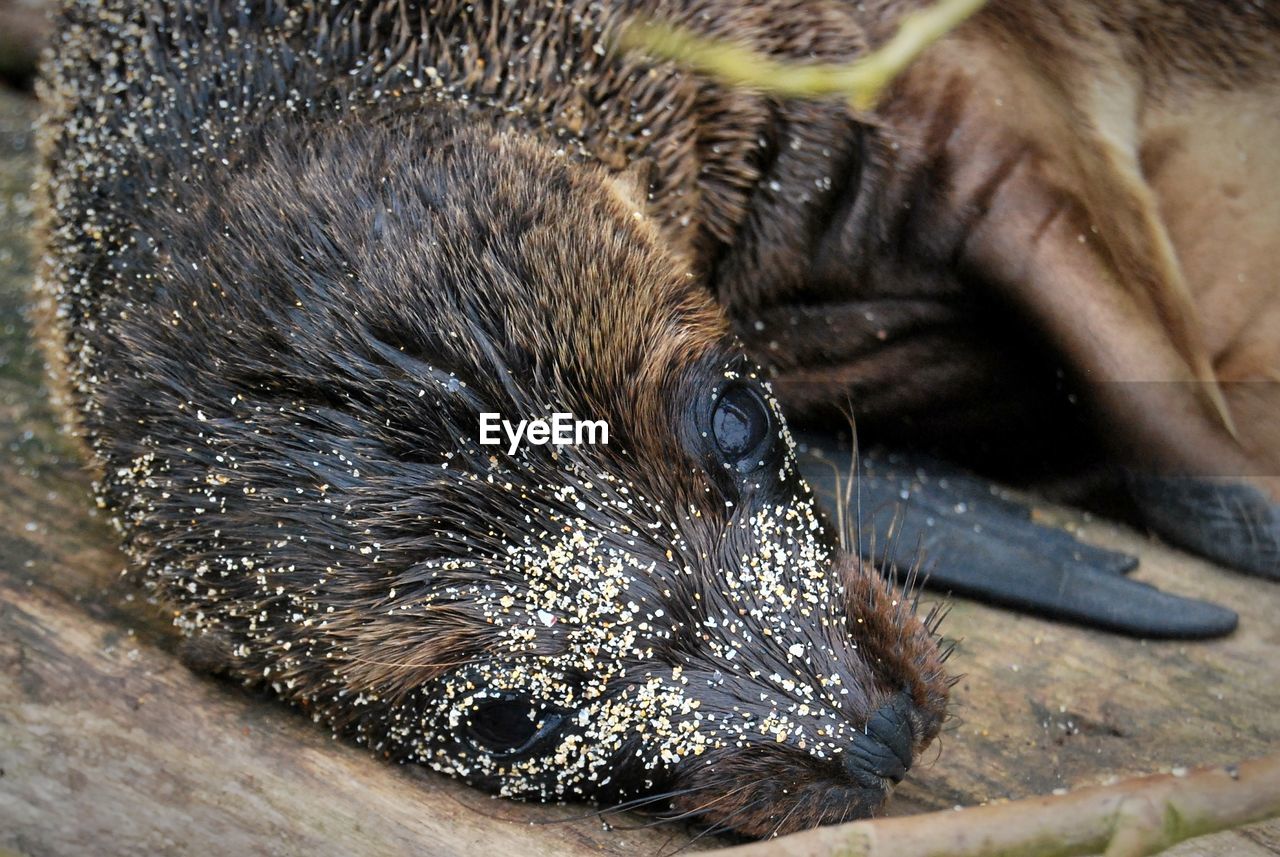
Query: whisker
{"points": [[780, 824], [841, 527], [911, 587], [842, 524], [891, 548], [634, 803], [624, 806], [938, 615], [645, 801], [722, 826], [855, 481], [491, 815], [937, 751], [706, 806], [414, 664]]}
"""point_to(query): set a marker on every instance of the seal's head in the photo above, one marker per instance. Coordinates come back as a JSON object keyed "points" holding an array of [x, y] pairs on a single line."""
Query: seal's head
{"points": [[292, 428]]}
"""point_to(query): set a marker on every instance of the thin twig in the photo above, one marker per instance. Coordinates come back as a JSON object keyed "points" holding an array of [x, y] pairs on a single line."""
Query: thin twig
{"points": [[860, 81], [1133, 818]]}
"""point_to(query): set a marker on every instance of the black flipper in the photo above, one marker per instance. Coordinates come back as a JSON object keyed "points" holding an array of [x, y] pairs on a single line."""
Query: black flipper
{"points": [[1228, 522], [985, 546]]}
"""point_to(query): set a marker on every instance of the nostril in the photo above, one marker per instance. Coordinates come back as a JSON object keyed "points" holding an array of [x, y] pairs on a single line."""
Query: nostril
{"points": [[883, 751], [891, 726]]}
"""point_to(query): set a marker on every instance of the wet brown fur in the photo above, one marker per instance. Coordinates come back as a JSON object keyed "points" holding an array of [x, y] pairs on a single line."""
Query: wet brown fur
{"points": [[276, 362]]}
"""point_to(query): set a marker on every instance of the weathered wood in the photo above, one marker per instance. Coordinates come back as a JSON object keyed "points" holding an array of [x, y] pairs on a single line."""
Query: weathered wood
{"points": [[109, 746], [1134, 817]]}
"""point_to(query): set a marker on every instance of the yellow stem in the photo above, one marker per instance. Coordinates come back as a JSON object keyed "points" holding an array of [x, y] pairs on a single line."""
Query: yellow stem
{"points": [[861, 82]]}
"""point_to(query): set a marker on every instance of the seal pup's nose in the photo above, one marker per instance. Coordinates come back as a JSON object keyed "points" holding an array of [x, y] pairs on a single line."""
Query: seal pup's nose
{"points": [[883, 751]]}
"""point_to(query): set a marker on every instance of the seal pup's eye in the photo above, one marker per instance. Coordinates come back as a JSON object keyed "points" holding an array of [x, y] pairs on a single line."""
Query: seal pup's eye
{"points": [[511, 725], [741, 427]]}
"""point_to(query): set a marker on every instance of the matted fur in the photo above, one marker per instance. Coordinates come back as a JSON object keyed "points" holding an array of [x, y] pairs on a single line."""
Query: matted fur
{"points": [[293, 251]]}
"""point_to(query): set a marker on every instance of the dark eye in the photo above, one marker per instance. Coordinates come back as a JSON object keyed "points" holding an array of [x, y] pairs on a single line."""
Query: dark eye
{"points": [[511, 725], [740, 426]]}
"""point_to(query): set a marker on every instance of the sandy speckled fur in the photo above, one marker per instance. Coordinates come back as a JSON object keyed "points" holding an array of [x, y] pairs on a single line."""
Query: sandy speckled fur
{"points": [[289, 267]]}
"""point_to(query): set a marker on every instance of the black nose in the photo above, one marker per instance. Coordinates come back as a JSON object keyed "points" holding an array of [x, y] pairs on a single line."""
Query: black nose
{"points": [[883, 751]]}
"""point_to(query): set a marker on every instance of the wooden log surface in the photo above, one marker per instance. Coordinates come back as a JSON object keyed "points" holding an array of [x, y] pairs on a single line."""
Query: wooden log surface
{"points": [[109, 746]]}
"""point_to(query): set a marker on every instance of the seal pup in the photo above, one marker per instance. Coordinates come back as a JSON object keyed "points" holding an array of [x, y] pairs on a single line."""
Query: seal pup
{"points": [[293, 251]]}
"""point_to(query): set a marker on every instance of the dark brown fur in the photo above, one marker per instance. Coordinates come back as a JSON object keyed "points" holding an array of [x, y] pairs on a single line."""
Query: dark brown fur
{"points": [[278, 327]]}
